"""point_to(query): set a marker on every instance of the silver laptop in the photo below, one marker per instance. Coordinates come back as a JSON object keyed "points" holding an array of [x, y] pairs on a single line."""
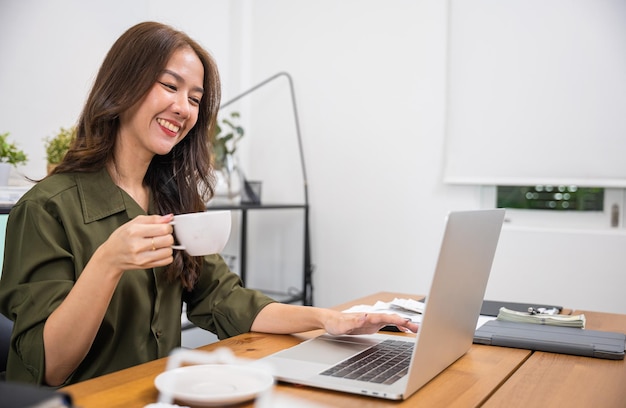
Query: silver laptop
{"points": [[446, 332]]}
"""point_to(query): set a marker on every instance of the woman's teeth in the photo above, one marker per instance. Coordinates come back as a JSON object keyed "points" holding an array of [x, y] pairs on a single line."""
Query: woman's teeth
{"points": [[168, 125]]}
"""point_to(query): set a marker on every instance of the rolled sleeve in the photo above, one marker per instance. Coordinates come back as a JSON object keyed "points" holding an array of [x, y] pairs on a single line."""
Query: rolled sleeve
{"points": [[29, 297], [220, 304]]}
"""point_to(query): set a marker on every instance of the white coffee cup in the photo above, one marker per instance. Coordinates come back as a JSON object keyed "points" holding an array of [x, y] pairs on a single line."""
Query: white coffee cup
{"points": [[202, 233]]}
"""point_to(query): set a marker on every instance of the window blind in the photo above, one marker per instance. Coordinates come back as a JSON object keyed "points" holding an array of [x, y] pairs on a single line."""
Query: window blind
{"points": [[536, 93]]}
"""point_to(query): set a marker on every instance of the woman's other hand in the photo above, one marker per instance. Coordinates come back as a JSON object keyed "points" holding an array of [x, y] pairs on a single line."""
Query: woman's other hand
{"points": [[284, 318], [366, 323]]}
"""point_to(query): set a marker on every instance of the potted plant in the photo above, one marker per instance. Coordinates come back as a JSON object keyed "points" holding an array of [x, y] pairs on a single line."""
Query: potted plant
{"points": [[224, 142], [57, 146], [10, 156], [229, 180]]}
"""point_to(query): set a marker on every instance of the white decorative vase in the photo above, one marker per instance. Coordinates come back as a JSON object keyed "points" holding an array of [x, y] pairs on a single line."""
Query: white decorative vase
{"points": [[228, 185], [5, 173]]}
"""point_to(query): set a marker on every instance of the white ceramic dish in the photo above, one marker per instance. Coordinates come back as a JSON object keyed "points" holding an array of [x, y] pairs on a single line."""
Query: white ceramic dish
{"points": [[212, 385]]}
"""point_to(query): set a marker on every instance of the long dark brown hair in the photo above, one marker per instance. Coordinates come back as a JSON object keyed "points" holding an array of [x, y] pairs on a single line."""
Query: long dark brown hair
{"points": [[180, 181]]}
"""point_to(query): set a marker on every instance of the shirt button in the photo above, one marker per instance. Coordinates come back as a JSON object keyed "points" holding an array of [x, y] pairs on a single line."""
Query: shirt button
{"points": [[158, 334]]}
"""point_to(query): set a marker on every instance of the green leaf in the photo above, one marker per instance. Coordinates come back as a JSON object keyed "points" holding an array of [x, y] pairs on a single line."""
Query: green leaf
{"points": [[225, 138], [58, 145], [9, 152]]}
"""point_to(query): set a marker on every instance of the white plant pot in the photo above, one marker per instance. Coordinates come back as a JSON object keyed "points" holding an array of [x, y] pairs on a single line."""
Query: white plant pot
{"points": [[228, 186], [5, 173]]}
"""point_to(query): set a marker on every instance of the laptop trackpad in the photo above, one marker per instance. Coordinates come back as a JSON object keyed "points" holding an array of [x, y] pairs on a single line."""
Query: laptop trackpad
{"points": [[327, 349]]}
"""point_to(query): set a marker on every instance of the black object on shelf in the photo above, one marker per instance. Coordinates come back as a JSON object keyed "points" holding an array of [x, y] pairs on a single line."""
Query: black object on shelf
{"points": [[251, 193], [254, 203]]}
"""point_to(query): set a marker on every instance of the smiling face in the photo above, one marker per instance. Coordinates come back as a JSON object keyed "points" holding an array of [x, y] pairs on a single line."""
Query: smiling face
{"points": [[161, 119]]}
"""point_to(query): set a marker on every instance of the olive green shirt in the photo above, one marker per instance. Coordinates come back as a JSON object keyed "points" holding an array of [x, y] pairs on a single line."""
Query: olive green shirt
{"points": [[51, 234]]}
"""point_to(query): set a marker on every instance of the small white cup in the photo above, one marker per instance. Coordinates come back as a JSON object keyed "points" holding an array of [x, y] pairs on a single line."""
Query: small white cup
{"points": [[202, 233]]}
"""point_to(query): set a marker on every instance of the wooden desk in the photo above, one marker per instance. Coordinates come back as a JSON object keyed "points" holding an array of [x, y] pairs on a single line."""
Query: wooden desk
{"points": [[559, 380], [485, 375]]}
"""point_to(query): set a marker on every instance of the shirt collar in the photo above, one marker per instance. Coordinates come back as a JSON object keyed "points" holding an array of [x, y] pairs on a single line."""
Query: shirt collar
{"points": [[100, 197]]}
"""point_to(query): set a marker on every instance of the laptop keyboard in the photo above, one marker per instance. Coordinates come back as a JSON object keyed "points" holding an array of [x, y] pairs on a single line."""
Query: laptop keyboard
{"points": [[383, 363]]}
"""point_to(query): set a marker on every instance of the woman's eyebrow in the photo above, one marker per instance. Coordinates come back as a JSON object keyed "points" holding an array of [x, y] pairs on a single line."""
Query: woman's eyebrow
{"points": [[181, 79]]}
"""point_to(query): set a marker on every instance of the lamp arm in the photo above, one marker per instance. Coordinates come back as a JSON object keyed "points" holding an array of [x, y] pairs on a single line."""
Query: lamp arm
{"points": [[295, 115]]}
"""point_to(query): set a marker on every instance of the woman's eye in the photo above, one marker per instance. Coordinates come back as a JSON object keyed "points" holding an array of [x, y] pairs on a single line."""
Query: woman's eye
{"points": [[168, 86], [195, 101]]}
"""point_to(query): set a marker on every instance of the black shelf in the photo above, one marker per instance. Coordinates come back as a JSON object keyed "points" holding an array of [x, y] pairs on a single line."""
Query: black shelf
{"points": [[306, 293]]}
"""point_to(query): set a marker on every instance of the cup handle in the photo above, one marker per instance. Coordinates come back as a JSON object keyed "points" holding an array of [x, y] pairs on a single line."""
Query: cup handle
{"points": [[180, 247]]}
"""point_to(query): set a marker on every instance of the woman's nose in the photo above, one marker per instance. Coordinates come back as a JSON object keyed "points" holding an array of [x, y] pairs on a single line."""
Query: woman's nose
{"points": [[181, 106]]}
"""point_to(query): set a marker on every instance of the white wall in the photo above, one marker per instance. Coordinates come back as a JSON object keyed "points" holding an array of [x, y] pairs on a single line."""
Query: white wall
{"points": [[53, 49], [582, 269], [370, 79]]}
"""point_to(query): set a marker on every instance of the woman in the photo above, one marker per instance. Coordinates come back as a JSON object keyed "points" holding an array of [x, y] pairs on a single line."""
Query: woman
{"points": [[90, 278]]}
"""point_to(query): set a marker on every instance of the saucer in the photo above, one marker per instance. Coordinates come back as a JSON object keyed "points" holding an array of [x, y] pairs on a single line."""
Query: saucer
{"points": [[212, 385]]}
